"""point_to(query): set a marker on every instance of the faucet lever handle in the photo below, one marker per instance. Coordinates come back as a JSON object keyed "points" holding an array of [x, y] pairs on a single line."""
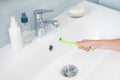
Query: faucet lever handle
{"points": [[41, 11]]}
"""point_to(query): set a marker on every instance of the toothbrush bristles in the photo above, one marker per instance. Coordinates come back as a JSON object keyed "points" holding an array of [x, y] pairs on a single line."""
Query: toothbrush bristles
{"points": [[60, 39]]}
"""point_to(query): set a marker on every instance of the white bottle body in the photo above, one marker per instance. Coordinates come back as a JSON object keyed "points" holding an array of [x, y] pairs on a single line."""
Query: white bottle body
{"points": [[15, 37]]}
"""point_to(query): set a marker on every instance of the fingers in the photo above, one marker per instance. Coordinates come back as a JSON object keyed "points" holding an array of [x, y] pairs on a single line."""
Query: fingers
{"points": [[85, 45], [85, 48]]}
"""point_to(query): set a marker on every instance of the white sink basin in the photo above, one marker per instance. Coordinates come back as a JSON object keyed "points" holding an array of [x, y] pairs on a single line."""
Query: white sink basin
{"points": [[86, 62]]}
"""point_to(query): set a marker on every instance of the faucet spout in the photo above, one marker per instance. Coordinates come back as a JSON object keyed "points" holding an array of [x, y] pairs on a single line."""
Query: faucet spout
{"points": [[50, 21], [54, 22]]}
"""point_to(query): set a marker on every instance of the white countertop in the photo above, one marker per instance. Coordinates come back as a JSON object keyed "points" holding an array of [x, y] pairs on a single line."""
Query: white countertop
{"points": [[97, 23], [108, 70]]}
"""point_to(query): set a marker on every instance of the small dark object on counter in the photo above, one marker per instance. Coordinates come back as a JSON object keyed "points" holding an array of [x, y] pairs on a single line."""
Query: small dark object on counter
{"points": [[51, 47]]}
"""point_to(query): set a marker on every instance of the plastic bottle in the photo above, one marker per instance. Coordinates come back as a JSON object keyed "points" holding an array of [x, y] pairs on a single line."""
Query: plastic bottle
{"points": [[15, 35], [27, 34]]}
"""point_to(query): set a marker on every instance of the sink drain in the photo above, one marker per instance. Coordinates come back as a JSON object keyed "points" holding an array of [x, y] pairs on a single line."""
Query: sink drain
{"points": [[69, 71]]}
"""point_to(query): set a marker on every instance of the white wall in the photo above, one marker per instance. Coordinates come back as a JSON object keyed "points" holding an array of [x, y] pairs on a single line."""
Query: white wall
{"points": [[95, 1], [115, 4]]}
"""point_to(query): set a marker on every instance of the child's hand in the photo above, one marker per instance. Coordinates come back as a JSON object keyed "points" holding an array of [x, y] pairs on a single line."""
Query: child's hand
{"points": [[86, 44]]}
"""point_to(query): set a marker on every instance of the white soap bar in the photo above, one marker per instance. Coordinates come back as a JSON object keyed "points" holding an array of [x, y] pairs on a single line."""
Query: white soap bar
{"points": [[77, 11]]}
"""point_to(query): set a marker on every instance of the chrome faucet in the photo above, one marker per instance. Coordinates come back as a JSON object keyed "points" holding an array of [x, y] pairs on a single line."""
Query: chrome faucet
{"points": [[41, 22]]}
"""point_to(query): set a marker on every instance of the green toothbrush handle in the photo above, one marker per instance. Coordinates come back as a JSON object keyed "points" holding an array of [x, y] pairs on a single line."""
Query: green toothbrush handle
{"points": [[73, 43], [81, 46]]}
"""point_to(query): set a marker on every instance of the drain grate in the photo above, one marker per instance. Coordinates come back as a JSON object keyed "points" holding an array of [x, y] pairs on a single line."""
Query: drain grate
{"points": [[69, 71]]}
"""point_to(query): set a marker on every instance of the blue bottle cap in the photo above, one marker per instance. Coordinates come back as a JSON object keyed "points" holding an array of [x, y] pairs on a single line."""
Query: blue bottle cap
{"points": [[24, 18]]}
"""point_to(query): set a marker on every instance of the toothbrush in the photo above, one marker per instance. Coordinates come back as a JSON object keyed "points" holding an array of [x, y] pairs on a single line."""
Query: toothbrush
{"points": [[68, 42], [72, 43]]}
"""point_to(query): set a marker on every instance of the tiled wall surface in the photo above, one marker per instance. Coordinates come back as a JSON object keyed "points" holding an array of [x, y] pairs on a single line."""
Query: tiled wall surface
{"points": [[16, 7]]}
